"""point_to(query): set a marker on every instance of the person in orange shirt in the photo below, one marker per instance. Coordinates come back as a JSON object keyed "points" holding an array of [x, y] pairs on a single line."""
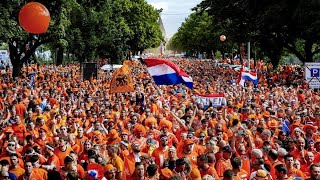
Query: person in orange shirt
{"points": [[19, 129], [300, 153], [310, 159], [116, 161], [43, 139], [79, 168], [240, 174], [30, 143], [53, 161], [282, 172], [62, 151], [188, 151], [224, 162], [110, 172], [292, 171], [205, 168], [273, 162], [161, 153], [73, 144], [15, 167], [21, 109], [37, 167], [29, 173], [152, 172], [114, 138], [81, 138]]}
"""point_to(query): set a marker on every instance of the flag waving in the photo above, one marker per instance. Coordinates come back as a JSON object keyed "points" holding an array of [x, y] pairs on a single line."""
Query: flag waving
{"points": [[122, 79], [167, 73], [250, 76]]}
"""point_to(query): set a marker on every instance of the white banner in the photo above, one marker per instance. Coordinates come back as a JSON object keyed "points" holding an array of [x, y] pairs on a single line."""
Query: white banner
{"points": [[214, 99]]}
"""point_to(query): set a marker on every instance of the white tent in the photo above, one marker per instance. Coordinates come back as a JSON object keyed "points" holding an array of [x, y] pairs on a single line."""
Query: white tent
{"points": [[109, 67]]}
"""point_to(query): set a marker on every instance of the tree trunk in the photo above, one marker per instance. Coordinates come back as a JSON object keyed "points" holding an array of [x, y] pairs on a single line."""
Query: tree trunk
{"points": [[274, 58], [308, 51], [60, 56], [15, 61]]}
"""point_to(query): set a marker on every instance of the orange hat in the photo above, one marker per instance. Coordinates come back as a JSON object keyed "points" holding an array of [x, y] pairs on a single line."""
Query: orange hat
{"points": [[125, 132], [166, 172], [273, 123], [309, 126], [109, 167], [9, 130], [188, 142], [42, 130], [109, 117], [165, 123], [266, 114], [150, 120], [139, 128], [113, 134]]}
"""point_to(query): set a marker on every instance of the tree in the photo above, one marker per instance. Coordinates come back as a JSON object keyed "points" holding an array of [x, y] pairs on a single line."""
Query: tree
{"points": [[142, 20], [22, 45], [198, 34], [274, 24], [85, 29]]}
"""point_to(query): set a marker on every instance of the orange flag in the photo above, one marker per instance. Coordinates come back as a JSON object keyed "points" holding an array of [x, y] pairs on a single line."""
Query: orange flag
{"points": [[122, 80], [128, 168]]}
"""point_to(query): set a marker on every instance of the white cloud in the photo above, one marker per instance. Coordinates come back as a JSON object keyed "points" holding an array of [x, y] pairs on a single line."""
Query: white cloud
{"points": [[174, 12], [159, 5]]}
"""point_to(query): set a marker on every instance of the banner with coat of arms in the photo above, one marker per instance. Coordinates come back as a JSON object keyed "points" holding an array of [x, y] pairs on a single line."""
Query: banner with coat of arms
{"points": [[122, 80]]}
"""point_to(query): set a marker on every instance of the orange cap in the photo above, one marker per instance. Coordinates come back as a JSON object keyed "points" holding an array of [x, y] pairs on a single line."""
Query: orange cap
{"points": [[113, 134], [273, 123], [109, 167], [166, 172]]}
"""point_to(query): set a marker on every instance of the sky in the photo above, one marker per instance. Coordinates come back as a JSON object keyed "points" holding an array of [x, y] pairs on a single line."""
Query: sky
{"points": [[174, 13]]}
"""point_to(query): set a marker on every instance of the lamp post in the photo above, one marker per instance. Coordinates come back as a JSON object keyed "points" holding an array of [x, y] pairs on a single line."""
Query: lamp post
{"points": [[223, 39]]}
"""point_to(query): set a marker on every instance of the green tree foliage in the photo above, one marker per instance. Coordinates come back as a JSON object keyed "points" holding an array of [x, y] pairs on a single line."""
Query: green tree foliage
{"points": [[85, 29], [198, 34], [142, 19], [273, 24]]}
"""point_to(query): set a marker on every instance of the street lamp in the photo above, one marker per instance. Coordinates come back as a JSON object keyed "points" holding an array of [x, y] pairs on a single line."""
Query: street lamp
{"points": [[223, 39]]}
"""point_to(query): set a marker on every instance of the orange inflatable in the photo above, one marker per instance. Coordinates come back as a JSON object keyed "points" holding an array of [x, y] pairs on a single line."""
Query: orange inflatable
{"points": [[34, 18]]}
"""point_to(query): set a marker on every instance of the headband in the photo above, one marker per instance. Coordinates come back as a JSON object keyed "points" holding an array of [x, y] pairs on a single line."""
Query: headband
{"points": [[49, 147]]}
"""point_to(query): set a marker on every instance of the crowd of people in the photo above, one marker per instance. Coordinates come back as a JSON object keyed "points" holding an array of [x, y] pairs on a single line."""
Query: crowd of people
{"points": [[60, 127]]}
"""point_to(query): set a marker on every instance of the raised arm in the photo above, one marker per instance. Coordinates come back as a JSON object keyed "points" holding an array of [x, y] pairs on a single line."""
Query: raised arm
{"points": [[179, 121]]}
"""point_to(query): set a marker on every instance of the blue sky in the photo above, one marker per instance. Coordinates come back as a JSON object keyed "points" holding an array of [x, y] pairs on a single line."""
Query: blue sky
{"points": [[174, 13]]}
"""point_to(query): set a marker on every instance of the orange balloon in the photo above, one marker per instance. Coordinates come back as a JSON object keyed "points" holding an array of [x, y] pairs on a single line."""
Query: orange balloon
{"points": [[34, 18]]}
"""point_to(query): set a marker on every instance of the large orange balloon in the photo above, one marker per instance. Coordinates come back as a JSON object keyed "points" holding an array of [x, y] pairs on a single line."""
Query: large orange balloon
{"points": [[34, 18]]}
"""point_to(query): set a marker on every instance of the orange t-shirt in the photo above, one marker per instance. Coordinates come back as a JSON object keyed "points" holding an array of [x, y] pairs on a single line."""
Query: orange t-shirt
{"points": [[33, 176], [18, 171], [62, 154], [223, 165], [192, 157], [80, 142], [211, 171], [160, 155], [19, 130]]}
